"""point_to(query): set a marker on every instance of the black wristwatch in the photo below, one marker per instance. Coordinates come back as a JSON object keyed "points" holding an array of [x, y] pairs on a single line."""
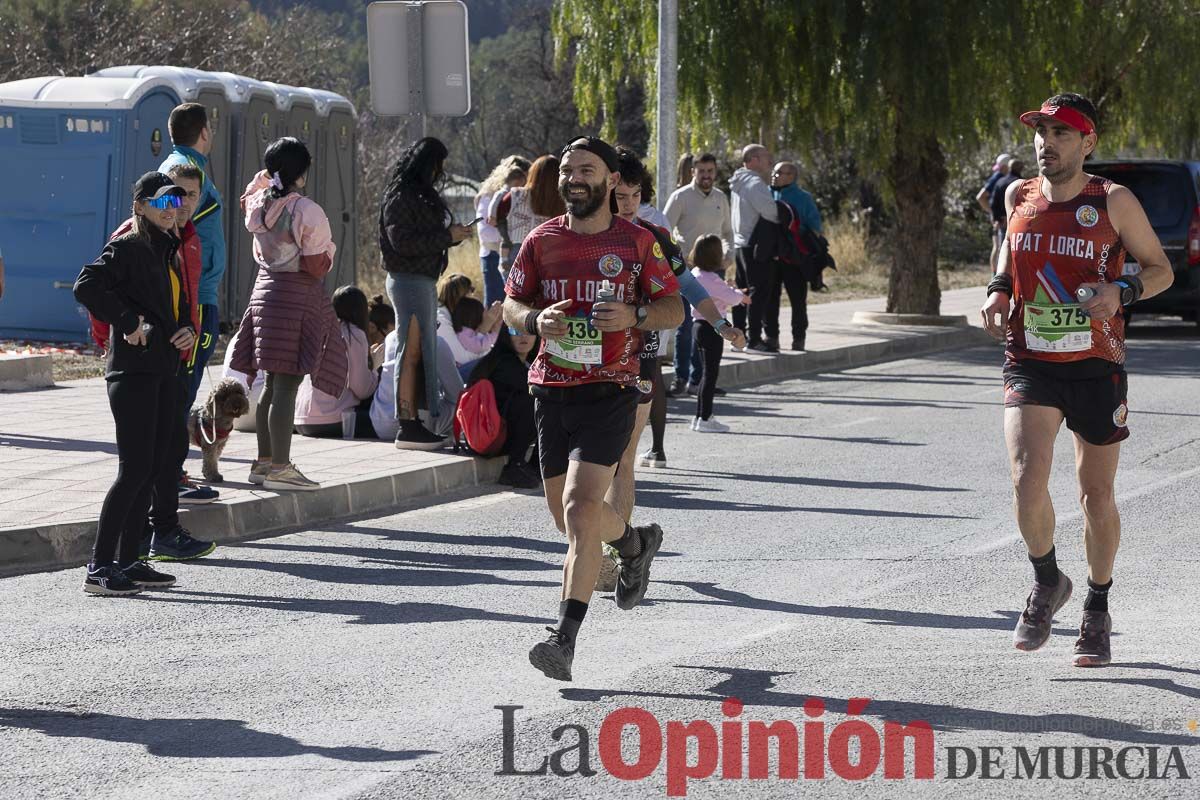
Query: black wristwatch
{"points": [[1128, 295], [640, 313]]}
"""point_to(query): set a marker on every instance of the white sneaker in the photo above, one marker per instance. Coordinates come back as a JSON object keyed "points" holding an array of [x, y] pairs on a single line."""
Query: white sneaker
{"points": [[693, 424], [710, 425], [289, 479], [258, 472]]}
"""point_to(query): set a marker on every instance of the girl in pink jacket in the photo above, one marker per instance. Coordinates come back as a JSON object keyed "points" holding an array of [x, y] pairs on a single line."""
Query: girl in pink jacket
{"points": [[709, 270]]}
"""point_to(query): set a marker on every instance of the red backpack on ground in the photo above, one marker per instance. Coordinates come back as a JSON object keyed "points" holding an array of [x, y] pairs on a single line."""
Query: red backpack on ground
{"points": [[478, 419]]}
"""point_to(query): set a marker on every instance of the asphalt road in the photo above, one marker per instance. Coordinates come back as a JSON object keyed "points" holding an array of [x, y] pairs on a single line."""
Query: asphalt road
{"points": [[852, 538]]}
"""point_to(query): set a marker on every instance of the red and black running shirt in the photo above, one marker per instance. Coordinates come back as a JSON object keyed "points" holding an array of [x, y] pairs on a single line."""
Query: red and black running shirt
{"points": [[556, 263], [1053, 248]]}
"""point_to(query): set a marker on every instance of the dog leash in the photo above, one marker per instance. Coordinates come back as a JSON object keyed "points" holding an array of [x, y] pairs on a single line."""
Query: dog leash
{"points": [[212, 410]]}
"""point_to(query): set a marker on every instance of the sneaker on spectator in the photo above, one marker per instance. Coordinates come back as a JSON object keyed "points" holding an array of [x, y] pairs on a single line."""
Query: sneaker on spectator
{"points": [[772, 343], [719, 392], [693, 389], [258, 472], [415, 436], [519, 476], [710, 425], [147, 576], [108, 581], [179, 545], [653, 458], [289, 478], [677, 387], [760, 347], [192, 493]]}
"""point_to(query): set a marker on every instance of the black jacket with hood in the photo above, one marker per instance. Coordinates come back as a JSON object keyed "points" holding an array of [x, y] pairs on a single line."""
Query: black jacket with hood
{"points": [[131, 277]]}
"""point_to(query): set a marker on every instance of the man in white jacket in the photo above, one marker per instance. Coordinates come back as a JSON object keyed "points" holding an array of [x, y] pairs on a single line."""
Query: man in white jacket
{"points": [[751, 201]]}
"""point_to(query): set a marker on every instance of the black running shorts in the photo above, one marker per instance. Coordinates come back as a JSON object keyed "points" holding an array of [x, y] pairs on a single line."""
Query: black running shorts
{"points": [[590, 423], [1094, 407]]}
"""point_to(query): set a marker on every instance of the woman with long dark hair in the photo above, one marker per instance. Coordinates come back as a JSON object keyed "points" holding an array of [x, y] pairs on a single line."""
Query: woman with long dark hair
{"points": [[416, 231], [289, 330]]}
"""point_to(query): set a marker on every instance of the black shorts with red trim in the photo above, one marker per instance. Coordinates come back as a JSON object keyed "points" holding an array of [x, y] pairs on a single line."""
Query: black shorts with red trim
{"points": [[1091, 394], [590, 423]]}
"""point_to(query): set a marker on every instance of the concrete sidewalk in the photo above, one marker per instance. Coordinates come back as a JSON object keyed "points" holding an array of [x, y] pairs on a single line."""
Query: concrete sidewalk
{"points": [[58, 456]]}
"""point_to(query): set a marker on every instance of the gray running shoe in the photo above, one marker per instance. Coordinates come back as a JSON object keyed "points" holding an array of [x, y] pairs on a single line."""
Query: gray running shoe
{"points": [[634, 575], [1033, 626], [553, 656], [289, 479], [1092, 648]]}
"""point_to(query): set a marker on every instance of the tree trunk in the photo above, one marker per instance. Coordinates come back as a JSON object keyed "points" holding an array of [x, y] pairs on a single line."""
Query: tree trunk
{"points": [[918, 175]]}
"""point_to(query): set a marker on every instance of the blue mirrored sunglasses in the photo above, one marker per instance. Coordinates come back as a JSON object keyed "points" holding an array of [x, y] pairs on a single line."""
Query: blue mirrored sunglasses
{"points": [[166, 201], [513, 331]]}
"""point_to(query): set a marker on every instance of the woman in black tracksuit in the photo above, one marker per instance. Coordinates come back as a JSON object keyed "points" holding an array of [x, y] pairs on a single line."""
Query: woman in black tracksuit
{"points": [[136, 286]]}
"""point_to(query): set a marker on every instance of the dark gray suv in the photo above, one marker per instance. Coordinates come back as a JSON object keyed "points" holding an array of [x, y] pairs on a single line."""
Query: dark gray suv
{"points": [[1170, 193]]}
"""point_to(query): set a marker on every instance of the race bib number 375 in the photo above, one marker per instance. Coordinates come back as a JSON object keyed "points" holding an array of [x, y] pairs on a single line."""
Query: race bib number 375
{"points": [[1057, 328]]}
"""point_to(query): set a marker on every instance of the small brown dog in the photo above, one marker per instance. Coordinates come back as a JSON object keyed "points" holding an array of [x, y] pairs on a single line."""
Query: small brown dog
{"points": [[209, 425]]}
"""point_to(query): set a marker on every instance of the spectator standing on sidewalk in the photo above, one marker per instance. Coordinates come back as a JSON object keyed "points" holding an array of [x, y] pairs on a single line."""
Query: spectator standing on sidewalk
{"points": [[751, 202], [999, 213], [509, 173], [136, 286], [521, 209], [684, 170], [416, 232], [192, 141], [709, 270], [289, 329], [791, 277], [984, 199], [692, 211]]}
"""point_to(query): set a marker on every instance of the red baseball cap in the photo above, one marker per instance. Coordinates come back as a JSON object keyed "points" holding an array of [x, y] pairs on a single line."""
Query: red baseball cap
{"points": [[1064, 114]]}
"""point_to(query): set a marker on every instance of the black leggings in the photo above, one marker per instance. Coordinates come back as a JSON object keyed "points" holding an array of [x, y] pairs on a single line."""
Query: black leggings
{"points": [[145, 408], [711, 347], [276, 416], [658, 410], [164, 487]]}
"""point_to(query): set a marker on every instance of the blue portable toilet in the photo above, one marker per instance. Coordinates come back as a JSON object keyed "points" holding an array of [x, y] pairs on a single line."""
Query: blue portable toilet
{"points": [[70, 150]]}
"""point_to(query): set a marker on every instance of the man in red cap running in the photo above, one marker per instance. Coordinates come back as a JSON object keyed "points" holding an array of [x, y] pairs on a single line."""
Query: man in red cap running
{"points": [[1058, 298]]}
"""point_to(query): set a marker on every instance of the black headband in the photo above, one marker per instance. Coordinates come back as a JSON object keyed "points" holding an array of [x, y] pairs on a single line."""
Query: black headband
{"points": [[597, 147]]}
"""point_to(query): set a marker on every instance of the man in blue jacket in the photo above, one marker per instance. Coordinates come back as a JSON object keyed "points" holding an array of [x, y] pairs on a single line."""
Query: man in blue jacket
{"points": [[192, 140], [784, 187]]}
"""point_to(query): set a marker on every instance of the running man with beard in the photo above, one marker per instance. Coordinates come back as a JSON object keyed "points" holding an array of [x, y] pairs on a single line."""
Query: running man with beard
{"points": [[1058, 297], [584, 379]]}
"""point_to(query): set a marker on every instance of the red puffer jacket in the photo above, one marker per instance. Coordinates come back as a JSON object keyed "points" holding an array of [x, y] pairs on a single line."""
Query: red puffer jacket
{"points": [[191, 264]]}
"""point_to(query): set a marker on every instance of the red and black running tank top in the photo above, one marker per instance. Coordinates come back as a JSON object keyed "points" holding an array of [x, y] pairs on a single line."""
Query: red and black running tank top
{"points": [[1053, 248]]}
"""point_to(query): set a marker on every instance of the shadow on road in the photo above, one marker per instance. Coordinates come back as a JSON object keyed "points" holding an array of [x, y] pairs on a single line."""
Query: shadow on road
{"points": [[365, 612], [830, 483], [1002, 621], [189, 738], [757, 688]]}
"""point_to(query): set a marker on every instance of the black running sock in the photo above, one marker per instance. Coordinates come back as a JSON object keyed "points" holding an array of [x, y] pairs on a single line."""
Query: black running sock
{"points": [[630, 543], [1097, 597], [1046, 568], [570, 617]]}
